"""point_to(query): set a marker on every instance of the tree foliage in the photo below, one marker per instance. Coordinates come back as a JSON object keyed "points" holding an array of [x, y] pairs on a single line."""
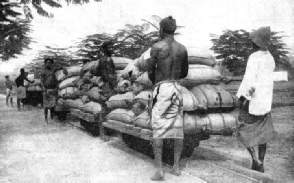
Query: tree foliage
{"points": [[13, 31], [38, 5], [234, 48], [129, 42]]}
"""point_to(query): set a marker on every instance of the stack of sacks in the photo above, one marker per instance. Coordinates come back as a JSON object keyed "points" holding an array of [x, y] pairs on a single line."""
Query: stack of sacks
{"points": [[89, 86], [36, 86], [66, 86], [88, 93], [206, 106], [134, 94], [121, 103], [120, 106], [201, 69]]}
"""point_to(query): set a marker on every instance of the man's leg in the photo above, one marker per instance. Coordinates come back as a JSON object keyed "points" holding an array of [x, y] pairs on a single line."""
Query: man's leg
{"points": [[157, 149], [52, 112], [255, 161], [11, 101], [261, 155], [177, 156], [7, 96], [18, 104], [7, 100], [46, 114]]}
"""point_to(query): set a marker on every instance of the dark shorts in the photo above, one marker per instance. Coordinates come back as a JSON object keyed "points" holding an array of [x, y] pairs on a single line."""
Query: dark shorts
{"points": [[50, 98]]}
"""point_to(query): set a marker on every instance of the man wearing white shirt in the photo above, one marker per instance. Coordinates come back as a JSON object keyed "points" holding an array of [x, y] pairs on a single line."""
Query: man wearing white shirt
{"points": [[255, 95]]}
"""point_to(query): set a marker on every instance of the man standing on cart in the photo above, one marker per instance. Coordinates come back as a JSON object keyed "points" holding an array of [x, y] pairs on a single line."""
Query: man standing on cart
{"points": [[50, 86], [167, 64]]}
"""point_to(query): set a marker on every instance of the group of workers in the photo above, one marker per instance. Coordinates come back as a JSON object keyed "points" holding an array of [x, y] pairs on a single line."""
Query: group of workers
{"points": [[168, 64]]}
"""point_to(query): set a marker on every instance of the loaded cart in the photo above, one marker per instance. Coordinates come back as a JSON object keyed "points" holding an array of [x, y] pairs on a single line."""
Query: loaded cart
{"points": [[196, 128], [208, 108]]}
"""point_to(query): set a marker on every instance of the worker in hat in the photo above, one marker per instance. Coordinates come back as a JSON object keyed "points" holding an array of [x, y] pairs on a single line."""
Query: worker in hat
{"points": [[167, 64], [50, 86], [255, 95]]}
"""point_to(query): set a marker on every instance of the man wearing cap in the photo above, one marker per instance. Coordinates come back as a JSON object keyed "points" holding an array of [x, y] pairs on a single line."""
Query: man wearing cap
{"points": [[50, 85], [168, 64], [255, 95], [20, 90]]}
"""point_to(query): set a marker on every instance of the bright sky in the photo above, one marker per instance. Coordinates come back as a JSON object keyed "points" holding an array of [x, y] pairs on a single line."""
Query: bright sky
{"points": [[199, 17]]}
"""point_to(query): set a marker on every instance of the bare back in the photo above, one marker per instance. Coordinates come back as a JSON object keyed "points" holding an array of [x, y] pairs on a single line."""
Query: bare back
{"points": [[170, 60]]}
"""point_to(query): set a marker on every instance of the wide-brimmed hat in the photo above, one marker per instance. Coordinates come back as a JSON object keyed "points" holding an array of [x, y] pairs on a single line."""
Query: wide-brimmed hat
{"points": [[261, 37], [48, 59]]}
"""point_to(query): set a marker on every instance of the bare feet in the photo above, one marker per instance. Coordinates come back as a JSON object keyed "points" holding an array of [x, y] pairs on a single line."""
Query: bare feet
{"points": [[258, 166], [176, 171], [158, 176], [46, 120]]}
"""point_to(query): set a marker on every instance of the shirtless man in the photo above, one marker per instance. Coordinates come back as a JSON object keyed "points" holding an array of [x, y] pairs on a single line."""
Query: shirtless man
{"points": [[21, 91], [167, 65]]}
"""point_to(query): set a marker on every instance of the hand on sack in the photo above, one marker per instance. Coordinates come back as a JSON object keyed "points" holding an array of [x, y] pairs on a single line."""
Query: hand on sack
{"points": [[226, 80], [65, 71]]}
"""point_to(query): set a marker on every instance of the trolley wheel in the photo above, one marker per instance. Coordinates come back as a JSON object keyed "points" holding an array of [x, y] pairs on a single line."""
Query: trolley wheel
{"points": [[127, 139], [92, 128], [61, 115], [95, 130], [187, 151]]}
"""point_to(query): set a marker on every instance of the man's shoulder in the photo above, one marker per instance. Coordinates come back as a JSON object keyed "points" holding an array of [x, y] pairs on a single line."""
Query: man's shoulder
{"points": [[163, 44], [159, 45]]}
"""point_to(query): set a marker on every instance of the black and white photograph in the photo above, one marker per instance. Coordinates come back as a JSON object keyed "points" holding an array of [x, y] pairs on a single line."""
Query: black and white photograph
{"points": [[136, 91]]}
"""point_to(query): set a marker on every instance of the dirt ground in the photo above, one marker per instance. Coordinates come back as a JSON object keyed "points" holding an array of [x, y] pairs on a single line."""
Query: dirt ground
{"points": [[32, 151]]}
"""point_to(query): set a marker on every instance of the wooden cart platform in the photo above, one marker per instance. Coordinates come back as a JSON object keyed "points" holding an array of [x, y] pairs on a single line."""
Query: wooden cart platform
{"points": [[90, 122], [129, 129]]}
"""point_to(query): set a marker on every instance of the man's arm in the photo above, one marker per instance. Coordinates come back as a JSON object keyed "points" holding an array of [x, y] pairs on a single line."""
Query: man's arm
{"points": [[42, 80], [59, 67], [148, 64], [28, 80], [185, 65]]}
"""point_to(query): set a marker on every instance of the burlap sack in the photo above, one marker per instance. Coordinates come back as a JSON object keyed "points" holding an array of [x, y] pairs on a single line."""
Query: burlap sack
{"points": [[200, 56], [144, 97], [200, 74], [213, 97], [76, 103], [92, 107], [121, 101], [68, 92], [69, 82], [94, 94], [120, 63], [143, 120], [190, 102], [90, 66], [72, 71], [121, 115]]}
